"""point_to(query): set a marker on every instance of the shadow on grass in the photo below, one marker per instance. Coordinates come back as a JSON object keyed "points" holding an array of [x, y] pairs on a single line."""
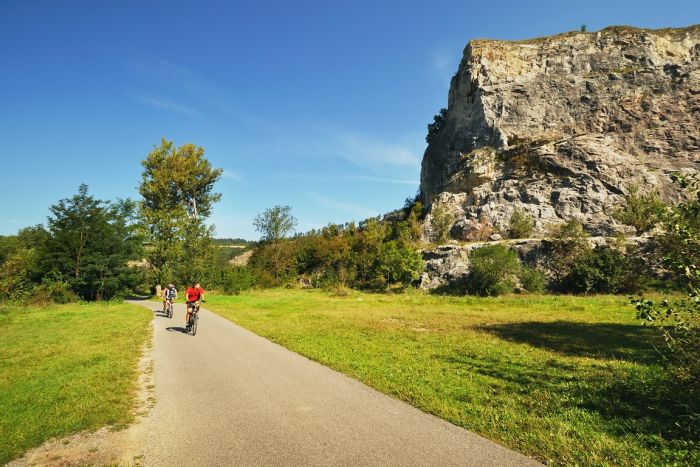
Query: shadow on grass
{"points": [[627, 387], [596, 340]]}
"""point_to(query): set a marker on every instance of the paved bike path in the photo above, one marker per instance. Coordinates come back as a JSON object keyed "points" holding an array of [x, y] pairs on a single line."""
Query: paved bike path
{"points": [[229, 397]]}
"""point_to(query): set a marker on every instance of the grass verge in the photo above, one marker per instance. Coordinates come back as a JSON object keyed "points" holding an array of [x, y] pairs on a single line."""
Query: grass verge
{"points": [[568, 380], [66, 368]]}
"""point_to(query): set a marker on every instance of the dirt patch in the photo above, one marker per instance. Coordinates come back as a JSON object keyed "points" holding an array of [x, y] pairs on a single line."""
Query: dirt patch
{"points": [[108, 445]]}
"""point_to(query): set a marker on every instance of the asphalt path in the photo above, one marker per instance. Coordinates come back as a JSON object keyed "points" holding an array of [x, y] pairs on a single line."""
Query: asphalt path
{"points": [[230, 397]]}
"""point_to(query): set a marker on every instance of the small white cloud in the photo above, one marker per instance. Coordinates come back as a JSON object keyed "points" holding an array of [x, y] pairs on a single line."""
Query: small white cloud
{"points": [[360, 211], [160, 103]]}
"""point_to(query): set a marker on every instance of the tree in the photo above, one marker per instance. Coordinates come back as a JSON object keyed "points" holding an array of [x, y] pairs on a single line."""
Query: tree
{"points": [[678, 319], [91, 243], [275, 223], [435, 127], [177, 189]]}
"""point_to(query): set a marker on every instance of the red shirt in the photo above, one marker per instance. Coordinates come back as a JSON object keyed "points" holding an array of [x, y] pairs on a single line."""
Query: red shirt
{"points": [[192, 294]]}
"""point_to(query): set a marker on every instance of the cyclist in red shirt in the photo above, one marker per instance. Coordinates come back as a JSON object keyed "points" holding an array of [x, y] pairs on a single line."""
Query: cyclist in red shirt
{"points": [[192, 297]]}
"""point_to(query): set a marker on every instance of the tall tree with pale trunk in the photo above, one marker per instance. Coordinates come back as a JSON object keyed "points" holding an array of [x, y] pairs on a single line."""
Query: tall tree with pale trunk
{"points": [[177, 186]]}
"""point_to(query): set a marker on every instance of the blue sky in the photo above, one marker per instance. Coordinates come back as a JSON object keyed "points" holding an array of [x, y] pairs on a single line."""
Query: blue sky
{"points": [[321, 105]]}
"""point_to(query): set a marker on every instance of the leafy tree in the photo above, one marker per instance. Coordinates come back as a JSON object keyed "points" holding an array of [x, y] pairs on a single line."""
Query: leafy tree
{"points": [[521, 224], [177, 189], [435, 127], [397, 263], [641, 211], [678, 319], [91, 243], [275, 223]]}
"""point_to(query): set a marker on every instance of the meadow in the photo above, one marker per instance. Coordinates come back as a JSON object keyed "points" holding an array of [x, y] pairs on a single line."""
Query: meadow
{"points": [[65, 369], [568, 380]]}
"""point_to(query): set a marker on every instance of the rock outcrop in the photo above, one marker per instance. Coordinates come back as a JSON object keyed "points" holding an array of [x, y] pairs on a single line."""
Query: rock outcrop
{"points": [[563, 126]]}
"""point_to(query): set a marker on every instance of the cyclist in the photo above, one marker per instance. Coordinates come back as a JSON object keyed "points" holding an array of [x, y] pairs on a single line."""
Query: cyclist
{"points": [[192, 297], [169, 296]]}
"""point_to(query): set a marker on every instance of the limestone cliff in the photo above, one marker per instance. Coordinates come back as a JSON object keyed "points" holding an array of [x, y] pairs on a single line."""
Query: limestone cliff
{"points": [[562, 126]]}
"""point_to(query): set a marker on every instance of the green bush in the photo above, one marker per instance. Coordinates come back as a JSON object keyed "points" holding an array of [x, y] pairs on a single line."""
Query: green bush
{"points": [[237, 279], [494, 270], [601, 270], [53, 291], [521, 224], [641, 211], [532, 279]]}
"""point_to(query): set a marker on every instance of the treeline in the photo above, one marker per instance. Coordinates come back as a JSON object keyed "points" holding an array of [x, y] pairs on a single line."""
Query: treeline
{"points": [[84, 252]]}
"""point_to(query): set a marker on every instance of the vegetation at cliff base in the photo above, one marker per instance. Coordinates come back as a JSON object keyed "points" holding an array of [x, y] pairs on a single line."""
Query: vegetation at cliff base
{"points": [[66, 368]]}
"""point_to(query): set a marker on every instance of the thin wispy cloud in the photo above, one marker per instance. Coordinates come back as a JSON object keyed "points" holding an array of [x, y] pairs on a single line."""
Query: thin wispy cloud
{"points": [[153, 70], [334, 178], [360, 211], [365, 150], [160, 103], [231, 175]]}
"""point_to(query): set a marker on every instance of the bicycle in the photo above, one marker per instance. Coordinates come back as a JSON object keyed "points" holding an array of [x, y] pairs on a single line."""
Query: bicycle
{"points": [[194, 317], [169, 308]]}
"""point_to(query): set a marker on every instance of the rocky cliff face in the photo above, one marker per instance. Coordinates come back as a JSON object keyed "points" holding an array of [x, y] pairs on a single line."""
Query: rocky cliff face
{"points": [[563, 126]]}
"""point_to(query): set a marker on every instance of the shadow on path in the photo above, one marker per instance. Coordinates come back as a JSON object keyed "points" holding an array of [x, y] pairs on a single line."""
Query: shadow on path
{"points": [[176, 329]]}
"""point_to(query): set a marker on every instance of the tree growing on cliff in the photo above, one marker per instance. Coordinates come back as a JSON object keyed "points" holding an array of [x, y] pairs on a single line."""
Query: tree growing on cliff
{"points": [[441, 220], [435, 127], [177, 189], [643, 211]]}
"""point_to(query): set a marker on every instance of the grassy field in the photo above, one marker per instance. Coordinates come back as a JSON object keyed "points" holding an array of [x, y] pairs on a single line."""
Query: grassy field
{"points": [[568, 380], [65, 369]]}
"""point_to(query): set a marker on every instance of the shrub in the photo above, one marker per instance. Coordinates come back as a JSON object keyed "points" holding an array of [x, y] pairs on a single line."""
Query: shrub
{"points": [[568, 243], [494, 270], [53, 291], [521, 224], [601, 270], [237, 279], [641, 211], [532, 279], [441, 221]]}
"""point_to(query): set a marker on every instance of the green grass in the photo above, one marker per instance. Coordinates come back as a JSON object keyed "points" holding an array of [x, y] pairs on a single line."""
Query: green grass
{"points": [[568, 380], [66, 368]]}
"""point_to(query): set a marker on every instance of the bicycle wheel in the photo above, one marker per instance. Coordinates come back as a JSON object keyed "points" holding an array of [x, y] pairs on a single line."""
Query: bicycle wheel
{"points": [[194, 324], [170, 310]]}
